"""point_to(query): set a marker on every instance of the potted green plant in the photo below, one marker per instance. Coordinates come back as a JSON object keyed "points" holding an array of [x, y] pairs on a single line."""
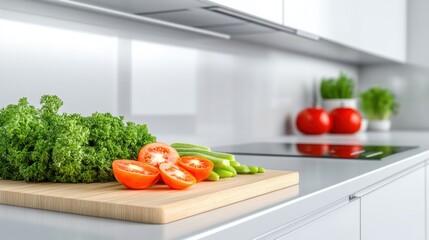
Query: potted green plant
{"points": [[378, 104], [338, 92]]}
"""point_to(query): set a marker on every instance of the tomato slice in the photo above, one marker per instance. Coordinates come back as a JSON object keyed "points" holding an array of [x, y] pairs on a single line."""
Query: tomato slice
{"points": [[156, 153], [198, 166], [175, 176], [135, 175]]}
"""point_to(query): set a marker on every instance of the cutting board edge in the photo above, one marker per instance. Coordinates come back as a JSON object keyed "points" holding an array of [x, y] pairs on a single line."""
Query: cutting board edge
{"points": [[96, 209], [169, 211]]}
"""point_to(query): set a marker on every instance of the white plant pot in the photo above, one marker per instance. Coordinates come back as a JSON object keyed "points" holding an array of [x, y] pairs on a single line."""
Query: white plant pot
{"points": [[331, 104], [379, 125]]}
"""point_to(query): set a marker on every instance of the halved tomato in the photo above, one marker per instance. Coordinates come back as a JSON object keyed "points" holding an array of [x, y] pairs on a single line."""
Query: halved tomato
{"points": [[175, 176], [156, 153], [135, 175], [198, 166]]}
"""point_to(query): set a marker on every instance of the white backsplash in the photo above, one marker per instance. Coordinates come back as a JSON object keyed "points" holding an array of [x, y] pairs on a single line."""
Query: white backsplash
{"points": [[225, 88]]}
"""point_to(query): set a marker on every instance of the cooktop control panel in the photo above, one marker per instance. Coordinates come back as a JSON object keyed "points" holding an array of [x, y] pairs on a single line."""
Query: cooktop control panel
{"points": [[363, 152]]}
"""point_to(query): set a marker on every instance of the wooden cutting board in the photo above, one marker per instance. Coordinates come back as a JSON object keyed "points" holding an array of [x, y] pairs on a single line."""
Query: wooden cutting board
{"points": [[157, 204]]}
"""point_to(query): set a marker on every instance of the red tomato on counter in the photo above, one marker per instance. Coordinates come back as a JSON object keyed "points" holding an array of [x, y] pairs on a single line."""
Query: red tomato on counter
{"points": [[345, 120], [157, 153], [134, 174], [313, 121]]}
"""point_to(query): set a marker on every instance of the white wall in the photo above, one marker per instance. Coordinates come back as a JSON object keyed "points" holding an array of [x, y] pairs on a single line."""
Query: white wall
{"points": [[37, 60], [201, 85]]}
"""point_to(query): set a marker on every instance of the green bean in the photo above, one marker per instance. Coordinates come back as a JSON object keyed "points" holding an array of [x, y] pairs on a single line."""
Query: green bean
{"points": [[253, 169], [224, 163], [218, 162], [226, 156], [231, 169], [212, 177], [242, 169], [223, 173], [234, 163], [189, 145]]}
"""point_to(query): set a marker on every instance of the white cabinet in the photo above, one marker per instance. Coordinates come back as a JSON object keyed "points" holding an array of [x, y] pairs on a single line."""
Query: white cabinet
{"points": [[271, 10], [343, 223], [427, 201], [418, 36], [393, 209], [377, 27], [396, 210]]}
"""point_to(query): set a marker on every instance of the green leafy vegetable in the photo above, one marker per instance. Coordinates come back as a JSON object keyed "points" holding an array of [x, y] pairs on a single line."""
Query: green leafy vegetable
{"points": [[378, 103], [39, 145], [341, 87]]}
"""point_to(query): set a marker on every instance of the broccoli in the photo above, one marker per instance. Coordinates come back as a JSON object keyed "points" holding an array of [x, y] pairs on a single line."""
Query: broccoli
{"points": [[39, 145]]}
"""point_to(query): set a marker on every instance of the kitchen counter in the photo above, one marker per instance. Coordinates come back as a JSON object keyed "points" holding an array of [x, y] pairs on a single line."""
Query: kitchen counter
{"points": [[322, 182]]}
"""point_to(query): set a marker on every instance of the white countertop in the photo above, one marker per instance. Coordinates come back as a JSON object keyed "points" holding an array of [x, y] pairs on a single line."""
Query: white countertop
{"points": [[322, 182]]}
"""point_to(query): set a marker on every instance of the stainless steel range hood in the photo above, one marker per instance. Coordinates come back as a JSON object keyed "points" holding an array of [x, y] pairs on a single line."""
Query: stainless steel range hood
{"points": [[203, 17], [222, 20], [206, 18], [250, 19], [126, 9]]}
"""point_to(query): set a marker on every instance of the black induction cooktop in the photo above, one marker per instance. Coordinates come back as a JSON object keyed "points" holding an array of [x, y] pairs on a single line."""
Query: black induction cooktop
{"points": [[362, 152]]}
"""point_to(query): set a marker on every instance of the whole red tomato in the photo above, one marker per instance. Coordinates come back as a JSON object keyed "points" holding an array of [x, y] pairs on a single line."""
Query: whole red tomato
{"points": [[313, 121], [345, 120]]}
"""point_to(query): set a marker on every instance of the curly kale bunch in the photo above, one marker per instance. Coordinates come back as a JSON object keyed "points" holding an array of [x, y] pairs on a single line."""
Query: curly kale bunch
{"points": [[39, 145]]}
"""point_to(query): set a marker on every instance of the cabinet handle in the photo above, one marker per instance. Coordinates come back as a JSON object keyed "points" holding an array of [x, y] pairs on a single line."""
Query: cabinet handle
{"points": [[353, 197]]}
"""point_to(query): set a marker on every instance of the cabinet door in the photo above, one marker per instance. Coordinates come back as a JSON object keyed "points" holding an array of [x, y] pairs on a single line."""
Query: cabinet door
{"points": [[271, 10], [377, 27], [418, 36], [343, 223], [427, 202], [396, 210]]}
